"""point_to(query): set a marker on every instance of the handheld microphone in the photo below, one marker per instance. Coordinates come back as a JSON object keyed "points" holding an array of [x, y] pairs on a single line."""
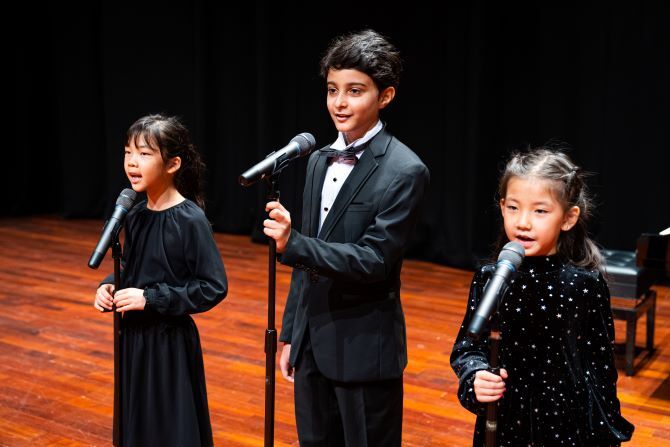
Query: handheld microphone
{"points": [[299, 146], [124, 203], [509, 260]]}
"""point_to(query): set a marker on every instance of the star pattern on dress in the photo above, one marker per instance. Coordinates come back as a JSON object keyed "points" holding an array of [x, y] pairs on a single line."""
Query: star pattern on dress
{"points": [[544, 352]]}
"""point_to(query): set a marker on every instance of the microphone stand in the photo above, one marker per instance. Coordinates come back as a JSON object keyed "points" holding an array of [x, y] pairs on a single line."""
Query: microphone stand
{"points": [[118, 334], [271, 331], [492, 407]]}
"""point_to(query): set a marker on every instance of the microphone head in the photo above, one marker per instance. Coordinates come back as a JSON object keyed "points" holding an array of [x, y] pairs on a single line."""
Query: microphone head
{"points": [[306, 143], [126, 199], [512, 252]]}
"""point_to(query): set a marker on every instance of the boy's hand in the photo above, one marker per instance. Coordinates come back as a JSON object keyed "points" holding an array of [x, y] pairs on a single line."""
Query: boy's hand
{"points": [[278, 226], [286, 368], [129, 299], [488, 386], [103, 297]]}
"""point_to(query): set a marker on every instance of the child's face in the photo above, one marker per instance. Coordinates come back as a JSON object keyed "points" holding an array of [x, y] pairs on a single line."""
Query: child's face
{"points": [[145, 167], [354, 102], [533, 216]]}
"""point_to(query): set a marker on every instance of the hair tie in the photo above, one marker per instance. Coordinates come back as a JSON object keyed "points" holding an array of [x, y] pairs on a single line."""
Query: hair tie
{"points": [[570, 176]]}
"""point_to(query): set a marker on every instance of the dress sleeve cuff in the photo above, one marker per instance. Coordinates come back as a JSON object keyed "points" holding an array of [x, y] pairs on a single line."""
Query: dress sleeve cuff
{"points": [[154, 300]]}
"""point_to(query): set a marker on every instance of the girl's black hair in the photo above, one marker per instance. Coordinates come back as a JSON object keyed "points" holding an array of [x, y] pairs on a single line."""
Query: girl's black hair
{"points": [[169, 136], [550, 162]]}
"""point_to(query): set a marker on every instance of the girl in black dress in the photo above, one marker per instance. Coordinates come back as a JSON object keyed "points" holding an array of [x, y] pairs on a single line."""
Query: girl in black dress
{"points": [[557, 385], [171, 268]]}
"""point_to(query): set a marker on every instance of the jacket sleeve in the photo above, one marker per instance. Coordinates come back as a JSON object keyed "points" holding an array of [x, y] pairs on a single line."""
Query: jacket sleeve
{"points": [[604, 416], [292, 300], [371, 257], [207, 284], [469, 356]]}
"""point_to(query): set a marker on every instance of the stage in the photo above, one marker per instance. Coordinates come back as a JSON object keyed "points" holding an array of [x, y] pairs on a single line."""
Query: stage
{"points": [[56, 363]]}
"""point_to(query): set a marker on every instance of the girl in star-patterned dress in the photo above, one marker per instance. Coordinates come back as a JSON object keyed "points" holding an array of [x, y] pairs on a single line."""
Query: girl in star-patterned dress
{"points": [[557, 384]]}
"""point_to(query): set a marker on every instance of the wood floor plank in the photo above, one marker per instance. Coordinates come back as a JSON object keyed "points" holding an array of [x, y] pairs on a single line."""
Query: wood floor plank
{"points": [[56, 350]]}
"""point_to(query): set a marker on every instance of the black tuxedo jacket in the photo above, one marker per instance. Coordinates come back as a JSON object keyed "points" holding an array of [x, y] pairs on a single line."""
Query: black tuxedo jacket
{"points": [[345, 285]]}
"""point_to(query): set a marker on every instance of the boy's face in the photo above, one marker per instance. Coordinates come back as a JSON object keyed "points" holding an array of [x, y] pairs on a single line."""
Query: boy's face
{"points": [[354, 102]]}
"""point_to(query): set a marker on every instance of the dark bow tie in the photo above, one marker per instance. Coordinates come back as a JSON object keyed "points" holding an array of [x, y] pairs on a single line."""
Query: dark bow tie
{"points": [[347, 155]]}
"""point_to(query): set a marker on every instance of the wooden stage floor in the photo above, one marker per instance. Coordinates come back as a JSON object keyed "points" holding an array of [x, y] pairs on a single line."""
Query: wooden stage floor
{"points": [[56, 350]]}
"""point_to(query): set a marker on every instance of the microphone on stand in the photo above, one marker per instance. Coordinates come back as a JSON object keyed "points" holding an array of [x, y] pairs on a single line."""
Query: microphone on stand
{"points": [[299, 146], [124, 203], [509, 260]]}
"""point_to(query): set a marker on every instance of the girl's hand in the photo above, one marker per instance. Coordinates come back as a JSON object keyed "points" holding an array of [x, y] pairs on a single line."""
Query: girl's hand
{"points": [[129, 299], [488, 386], [103, 297], [278, 226]]}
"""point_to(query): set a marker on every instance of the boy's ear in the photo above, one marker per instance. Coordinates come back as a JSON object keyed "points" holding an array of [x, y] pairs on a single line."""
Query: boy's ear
{"points": [[570, 218], [386, 96], [173, 165]]}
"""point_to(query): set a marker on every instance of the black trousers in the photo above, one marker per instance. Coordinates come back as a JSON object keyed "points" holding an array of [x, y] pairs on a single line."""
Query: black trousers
{"points": [[331, 413]]}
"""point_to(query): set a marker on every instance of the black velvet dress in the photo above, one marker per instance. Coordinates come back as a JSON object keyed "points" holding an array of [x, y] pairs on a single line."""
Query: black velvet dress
{"points": [[172, 255], [557, 333]]}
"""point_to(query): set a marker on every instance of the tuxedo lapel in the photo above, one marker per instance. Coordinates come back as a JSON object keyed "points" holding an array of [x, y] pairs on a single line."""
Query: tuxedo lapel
{"points": [[364, 168], [318, 176]]}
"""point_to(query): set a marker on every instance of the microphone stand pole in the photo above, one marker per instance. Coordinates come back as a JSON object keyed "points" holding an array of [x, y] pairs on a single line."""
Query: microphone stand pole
{"points": [[492, 407], [271, 331], [118, 334]]}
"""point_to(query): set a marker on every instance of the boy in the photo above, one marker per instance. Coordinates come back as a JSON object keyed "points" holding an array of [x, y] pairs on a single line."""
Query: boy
{"points": [[343, 326]]}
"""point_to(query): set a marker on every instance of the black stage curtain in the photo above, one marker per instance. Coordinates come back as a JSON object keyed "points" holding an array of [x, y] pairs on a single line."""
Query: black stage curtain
{"points": [[480, 79]]}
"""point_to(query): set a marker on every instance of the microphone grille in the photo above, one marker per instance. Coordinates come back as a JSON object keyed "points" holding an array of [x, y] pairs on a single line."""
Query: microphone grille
{"points": [[512, 252], [126, 199], [305, 141]]}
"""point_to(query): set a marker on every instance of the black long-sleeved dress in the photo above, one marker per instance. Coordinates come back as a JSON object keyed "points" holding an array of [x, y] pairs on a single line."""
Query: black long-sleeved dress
{"points": [[172, 255], [557, 334]]}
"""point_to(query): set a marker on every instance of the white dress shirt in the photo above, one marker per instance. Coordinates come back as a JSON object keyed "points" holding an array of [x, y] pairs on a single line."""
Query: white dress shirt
{"points": [[339, 170]]}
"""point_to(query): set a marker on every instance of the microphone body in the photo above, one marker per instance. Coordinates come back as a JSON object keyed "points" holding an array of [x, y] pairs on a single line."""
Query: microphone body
{"points": [[124, 203], [509, 260], [301, 145]]}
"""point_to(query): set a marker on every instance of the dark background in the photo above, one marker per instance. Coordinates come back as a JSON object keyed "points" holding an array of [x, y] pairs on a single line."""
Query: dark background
{"points": [[480, 80]]}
